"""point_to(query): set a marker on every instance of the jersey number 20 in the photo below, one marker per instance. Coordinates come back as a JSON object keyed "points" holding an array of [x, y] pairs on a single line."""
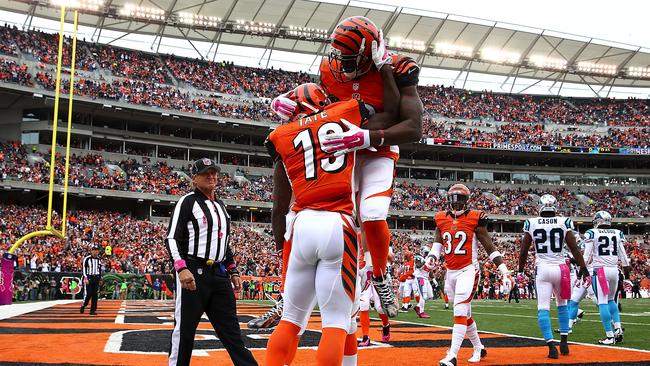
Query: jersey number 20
{"points": [[554, 237], [305, 140]]}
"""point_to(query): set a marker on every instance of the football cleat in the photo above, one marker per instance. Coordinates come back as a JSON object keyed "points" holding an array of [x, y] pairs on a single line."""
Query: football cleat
{"points": [[448, 361], [270, 319], [581, 313], [81, 309], [552, 350], [618, 335], [447, 306], [607, 341], [385, 333], [564, 348], [364, 342], [386, 296], [478, 354]]}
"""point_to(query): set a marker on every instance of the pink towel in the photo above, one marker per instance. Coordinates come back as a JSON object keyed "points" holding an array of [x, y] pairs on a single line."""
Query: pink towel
{"points": [[565, 280], [602, 281]]}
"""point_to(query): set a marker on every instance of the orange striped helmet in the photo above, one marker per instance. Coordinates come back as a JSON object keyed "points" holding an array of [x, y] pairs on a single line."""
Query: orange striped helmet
{"points": [[458, 197], [350, 51], [310, 98]]}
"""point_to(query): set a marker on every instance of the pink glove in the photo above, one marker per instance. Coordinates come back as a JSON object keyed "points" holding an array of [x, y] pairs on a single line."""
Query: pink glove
{"points": [[342, 143], [284, 107]]}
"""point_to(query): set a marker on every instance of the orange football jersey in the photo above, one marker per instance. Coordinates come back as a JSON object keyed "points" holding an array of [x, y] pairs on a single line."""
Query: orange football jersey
{"points": [[318, 179], [369, 88], [458, 240]]}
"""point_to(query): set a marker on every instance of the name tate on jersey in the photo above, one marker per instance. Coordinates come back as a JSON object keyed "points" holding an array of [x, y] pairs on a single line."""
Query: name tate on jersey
{"points": [[313, 118], [546, 221]]}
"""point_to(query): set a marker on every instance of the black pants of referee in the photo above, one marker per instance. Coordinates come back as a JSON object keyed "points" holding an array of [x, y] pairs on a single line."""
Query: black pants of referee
{"points": [[214, 296], [514, 294], [91, 290]]}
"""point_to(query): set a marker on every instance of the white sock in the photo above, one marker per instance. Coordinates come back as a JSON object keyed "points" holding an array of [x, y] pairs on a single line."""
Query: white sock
{"points": [[609, 334], [421, 304], [617, 325], [457, 336], [350, 360], [571, 321], [472, 334]]}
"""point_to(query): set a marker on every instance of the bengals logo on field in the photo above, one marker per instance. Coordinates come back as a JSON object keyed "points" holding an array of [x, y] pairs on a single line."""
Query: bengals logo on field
{"points": [[157, 341], [356, 96]]}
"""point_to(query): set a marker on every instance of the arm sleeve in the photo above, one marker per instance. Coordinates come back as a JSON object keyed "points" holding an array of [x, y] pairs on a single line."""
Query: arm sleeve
{"points": [[482, 219], [270, 148], [366, 111], [526, 229], [176, 225], [406, 72]]}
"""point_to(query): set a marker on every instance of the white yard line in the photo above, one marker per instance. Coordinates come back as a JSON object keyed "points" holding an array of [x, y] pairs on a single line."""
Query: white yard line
{"points": [[9, 311], [520, 336]]}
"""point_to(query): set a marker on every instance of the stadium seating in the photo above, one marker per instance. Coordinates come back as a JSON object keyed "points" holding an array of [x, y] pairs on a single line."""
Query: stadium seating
{"points": [[226, 78], [93, 171], [138, 247]]}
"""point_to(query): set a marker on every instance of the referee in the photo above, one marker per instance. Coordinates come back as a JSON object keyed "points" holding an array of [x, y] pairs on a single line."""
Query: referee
{"points": [[197, 241], [92, 271]]}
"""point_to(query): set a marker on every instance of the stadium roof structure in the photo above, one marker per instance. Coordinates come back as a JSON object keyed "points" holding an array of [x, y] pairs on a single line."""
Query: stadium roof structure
{"points": [[435, 40]]}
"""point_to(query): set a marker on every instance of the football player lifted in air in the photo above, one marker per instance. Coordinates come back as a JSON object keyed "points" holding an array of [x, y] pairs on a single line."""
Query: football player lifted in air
{"points": [[352, 71], [317, 222]]}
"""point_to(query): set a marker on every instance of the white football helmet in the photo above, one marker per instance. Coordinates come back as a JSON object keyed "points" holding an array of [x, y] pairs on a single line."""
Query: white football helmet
{"points": [[547, 203], [602, 218], [424, 251]]}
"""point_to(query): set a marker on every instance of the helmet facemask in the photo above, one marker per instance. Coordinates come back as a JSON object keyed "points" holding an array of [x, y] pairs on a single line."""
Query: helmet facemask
{"points": [[458, 203], [347, 67]]}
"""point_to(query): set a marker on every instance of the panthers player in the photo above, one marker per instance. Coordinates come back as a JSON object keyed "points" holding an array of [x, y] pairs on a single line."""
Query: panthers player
{"points": [[606, 246], [421, 273], [461, 229], [549, 232], [579, 291], [350, 71]]}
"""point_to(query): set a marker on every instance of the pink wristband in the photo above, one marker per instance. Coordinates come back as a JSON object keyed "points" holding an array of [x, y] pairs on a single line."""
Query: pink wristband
{"points": [[231, 266], [179, 264]]}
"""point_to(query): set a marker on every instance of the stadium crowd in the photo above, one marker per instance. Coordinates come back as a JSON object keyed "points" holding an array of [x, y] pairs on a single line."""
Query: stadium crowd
{"points": [[93, 171], [224, 77], [136, 246], [523, 133]]}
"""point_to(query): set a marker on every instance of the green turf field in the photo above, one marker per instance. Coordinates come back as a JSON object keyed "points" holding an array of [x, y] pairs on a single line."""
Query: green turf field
{"points": [[521, 319]]}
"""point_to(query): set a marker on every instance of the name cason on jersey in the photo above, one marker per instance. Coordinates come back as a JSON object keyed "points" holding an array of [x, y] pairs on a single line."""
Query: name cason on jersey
{"points": [[548, 234]]}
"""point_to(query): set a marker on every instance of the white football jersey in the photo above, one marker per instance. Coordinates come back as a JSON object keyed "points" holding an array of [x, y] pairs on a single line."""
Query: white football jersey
{"points": [[605, 246], [548, 235], [421, 272]]}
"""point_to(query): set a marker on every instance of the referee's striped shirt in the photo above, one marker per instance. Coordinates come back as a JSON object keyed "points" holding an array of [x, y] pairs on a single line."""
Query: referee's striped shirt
{"points": [[91, 266], [200, 228]]}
